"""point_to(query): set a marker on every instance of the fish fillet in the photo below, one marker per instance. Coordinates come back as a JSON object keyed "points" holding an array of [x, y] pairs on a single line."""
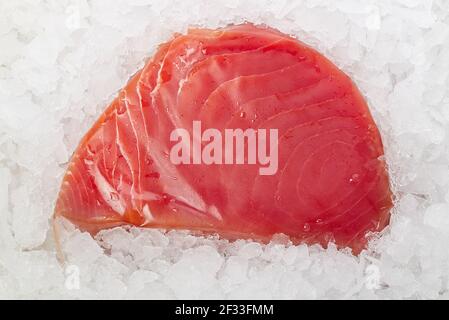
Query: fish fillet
{"points": [[330, 183]]}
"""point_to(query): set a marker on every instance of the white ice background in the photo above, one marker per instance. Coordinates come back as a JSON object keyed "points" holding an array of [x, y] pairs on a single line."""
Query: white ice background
{"points": [[62, 61]]}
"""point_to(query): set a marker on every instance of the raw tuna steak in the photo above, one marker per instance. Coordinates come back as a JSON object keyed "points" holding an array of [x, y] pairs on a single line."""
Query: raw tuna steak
{"points": [[241, 131]]}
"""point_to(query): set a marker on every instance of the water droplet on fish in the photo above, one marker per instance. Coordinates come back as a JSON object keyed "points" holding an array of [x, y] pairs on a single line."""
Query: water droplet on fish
{"points": [[166, 198], [148, 161], [242, 114], [174, 210], [319, 221], [306, 227], [354, 178], [121, 109], [114, 196]]}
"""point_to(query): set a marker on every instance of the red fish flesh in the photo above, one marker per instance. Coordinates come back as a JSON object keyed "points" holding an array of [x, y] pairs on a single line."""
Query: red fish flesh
{"points": [[326, 180]]}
